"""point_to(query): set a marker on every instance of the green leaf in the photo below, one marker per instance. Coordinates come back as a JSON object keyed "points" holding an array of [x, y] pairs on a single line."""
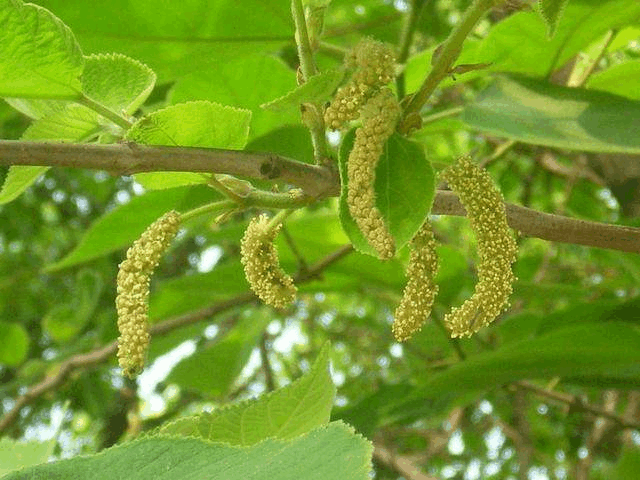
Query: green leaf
{"points": [[404, 185], [18, 179], [14, 343], [117, 81], [551, 10], [214, 369], [531, 111], [192, 124], [622, 79], [179, 38], [331, 452], [628, 465], [120, 227], [40, 56], [318, 88], [602, 355], [284, 413], [16, 455], [235, 83]]}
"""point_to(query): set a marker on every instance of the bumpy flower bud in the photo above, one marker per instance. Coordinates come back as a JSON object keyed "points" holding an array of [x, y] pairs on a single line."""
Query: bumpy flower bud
{"points": [[133, 291], [261, 265], [420, 291], [373, 66], [379, 117], [496, 248]]}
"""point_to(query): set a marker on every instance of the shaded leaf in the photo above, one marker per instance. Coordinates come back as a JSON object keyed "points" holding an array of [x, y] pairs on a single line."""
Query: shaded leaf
{"points": [[14, 343], [539, 113], [551, 10]]}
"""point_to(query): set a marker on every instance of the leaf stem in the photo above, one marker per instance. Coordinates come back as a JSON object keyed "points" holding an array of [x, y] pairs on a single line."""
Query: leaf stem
{"points": [[106, 112], [213, 208], [312, 114], [443, 60]]}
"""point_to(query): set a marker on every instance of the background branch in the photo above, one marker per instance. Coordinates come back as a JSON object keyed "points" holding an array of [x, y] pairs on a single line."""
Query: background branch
{"points": [[107, 352], [316, 181]]}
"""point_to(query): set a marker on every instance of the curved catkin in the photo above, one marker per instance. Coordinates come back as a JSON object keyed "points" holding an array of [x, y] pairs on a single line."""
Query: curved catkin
{"points": [[261, 265], [379, 117], [133, 291], [373, 65], [497, 248], [420, 291]]}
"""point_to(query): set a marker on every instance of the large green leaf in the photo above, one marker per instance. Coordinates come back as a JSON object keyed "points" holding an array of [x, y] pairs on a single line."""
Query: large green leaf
{"points": [[236, 83], [330, 452], [121, 226], [177, 38], [214, 369], [539, 113], [284, 413], [192, 124], [404, 186], [603, 355], [40, 56]]}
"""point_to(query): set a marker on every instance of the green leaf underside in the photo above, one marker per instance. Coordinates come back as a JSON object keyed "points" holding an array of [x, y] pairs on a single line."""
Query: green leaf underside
{"points": [[318, 88], [531, 111], [330, 452], [192, 124], [284, 413], [594, 354], [551, 10], [18, 180], [404, 185], [40, 56], [120, 227], [214, 370], [15, 455]]}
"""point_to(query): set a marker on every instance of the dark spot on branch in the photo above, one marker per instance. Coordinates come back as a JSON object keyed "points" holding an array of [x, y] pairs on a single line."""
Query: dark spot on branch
{"points": [[269, 169]]}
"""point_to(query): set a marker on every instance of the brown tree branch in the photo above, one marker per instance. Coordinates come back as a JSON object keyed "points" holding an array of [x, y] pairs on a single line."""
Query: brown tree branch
{"points": [[107, 352], [399, 463], [317, 181]]}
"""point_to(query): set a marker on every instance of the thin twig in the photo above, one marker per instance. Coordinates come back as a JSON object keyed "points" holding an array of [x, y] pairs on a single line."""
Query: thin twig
{"points": [[578, 404], [399, 463], [266, 364]]}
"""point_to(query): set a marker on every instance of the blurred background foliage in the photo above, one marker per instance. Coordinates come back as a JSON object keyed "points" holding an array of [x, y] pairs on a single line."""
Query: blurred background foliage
{"points": [[426, 400]]}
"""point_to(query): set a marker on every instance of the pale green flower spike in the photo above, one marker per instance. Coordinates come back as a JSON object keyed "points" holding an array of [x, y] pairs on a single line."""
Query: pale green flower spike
{"points": [[497, 248], [262, 266], [420, 291], [379, 118], [133, 291]]}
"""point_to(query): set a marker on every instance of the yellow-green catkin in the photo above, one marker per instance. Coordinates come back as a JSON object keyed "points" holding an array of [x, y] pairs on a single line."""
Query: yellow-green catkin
{"points": [[497, 248], [133, 291], [261, 264], [373, 65], [379, 118], [421, 290]]}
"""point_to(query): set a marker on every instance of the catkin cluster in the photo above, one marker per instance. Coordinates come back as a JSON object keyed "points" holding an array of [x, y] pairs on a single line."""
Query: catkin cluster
{"points": [[379, 117], [373, 66], [133, 291], [497, 248], [261, 265], [420, 291]]}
